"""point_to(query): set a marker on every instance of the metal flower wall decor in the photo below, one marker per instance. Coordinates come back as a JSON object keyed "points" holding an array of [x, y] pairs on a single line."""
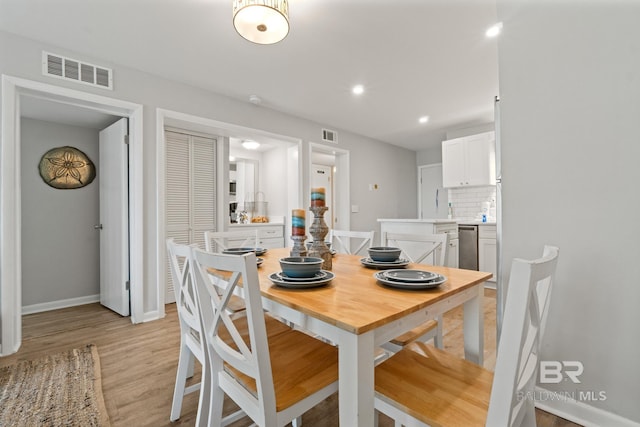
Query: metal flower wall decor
{"points": [[66, 168]]}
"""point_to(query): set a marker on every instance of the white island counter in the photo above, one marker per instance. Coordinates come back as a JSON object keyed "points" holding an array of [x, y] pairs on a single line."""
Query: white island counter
{"points": [[425, 226]]}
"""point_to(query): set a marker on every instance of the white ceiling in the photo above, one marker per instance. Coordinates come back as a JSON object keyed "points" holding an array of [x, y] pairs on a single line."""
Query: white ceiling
{"points": [[414, 57]]}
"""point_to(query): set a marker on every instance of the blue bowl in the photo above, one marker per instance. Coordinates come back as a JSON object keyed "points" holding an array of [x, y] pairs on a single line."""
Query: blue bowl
{"points": [[384, 253], [301, 266]]}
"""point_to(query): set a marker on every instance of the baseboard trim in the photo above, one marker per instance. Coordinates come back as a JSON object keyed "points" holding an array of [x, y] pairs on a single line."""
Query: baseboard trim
{"points": [[579, 412], [150, 316], [63, 303]]}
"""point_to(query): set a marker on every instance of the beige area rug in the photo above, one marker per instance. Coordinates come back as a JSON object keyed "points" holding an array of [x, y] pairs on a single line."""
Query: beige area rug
{"points": [[63, 389]]}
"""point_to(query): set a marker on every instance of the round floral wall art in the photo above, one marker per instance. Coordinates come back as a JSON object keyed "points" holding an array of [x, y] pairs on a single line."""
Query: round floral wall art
{"points": [[66, 168]]}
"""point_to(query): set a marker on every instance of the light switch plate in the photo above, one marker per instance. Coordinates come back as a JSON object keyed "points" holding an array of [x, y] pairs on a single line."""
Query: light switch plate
{"points": [[355, 208]]}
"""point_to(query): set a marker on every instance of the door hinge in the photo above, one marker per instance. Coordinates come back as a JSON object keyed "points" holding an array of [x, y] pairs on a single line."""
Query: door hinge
{"points": [[126, 139], [127, 285]]}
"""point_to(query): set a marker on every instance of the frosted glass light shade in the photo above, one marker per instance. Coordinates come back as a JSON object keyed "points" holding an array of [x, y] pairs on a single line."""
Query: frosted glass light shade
{"points": [[261, 21]]}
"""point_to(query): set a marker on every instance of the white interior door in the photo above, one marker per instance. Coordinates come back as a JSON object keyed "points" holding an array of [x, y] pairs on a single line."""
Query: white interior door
{"points": [[114, 218], [321, 177], [434, 199]]}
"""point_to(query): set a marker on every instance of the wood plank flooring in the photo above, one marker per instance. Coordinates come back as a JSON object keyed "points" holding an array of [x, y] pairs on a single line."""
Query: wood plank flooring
{"points": [[139, 362]]}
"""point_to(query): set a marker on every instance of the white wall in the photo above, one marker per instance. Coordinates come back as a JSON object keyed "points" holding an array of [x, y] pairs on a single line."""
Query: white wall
{"points": [[570, 108], [371, 161], [60, 247]]}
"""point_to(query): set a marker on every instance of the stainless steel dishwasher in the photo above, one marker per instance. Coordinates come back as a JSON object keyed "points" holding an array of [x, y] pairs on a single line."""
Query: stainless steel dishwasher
{"points": [[468, 247]]}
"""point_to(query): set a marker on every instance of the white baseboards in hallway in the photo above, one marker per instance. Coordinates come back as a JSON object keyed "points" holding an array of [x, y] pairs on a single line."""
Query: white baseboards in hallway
{"points": [[63, 303]]}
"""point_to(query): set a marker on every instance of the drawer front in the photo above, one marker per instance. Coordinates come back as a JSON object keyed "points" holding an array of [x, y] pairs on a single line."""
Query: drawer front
{"points": [[487, 232], [446, 228], [277, 242], [270, 232], [266, 231]]}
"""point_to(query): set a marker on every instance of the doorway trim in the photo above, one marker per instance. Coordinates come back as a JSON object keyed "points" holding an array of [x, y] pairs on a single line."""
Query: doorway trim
{"points": [[10, 197], [223, 131]]}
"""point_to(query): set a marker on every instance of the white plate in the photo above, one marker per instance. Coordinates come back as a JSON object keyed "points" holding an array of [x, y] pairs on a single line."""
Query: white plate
{"points": [[301, 285], [318, 276], [259, 261], [368, 262], [410, 275], [410, 285]]}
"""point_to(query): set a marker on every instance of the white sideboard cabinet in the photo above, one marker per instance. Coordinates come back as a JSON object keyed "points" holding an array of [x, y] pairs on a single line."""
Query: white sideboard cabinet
{"points": [[270, 235], [469, 161]]}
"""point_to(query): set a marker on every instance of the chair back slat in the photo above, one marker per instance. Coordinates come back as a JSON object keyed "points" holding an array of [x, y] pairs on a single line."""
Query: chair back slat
{"points": [[517, 362], [421, 244], [250, 358], [183, 285], [217, 241], [341, 241]]}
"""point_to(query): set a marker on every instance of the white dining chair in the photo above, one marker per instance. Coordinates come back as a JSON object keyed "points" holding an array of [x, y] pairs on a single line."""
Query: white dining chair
{"points": [[191, 347], [416, 248], [217, 241], [273, 379], [422, 385], [191, 344], [341, 241]]}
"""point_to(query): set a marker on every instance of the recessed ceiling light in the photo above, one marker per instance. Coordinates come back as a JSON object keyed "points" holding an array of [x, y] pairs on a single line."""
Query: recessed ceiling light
{"points": [[494, 30], [423, 119], [250, 145], [358, 89]]}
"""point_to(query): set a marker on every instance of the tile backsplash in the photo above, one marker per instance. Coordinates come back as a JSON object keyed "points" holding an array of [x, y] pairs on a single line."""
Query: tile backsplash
{"points": [[467, 202]]}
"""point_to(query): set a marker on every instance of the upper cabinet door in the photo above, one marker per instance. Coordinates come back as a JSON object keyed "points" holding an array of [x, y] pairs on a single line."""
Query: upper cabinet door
{"points": [[453, 163], [469, 161]]}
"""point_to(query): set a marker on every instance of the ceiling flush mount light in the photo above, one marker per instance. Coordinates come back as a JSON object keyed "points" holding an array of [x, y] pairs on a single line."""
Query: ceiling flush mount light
{"points": [[250, 145], [494, 30], [358, 90], [423, 119], [261, 21]]}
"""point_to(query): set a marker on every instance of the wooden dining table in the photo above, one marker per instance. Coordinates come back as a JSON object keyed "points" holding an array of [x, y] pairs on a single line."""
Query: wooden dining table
{"points": [[358, 314]]}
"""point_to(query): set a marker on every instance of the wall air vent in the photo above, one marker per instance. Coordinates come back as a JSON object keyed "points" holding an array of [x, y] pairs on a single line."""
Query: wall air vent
{"points": [[71, 69], [330, 136]]}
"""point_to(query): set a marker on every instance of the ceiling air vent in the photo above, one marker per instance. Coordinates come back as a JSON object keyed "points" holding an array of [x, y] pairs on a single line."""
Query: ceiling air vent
{"points": [[330, 136], [71, 69]]}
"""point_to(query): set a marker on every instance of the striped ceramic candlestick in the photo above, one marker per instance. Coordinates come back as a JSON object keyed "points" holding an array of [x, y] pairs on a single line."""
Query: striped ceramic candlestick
{"points": [[318, 196]]}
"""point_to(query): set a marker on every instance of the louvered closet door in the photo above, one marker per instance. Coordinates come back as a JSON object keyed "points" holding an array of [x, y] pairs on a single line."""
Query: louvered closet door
{"points": [[190, 202], [203, 195]]}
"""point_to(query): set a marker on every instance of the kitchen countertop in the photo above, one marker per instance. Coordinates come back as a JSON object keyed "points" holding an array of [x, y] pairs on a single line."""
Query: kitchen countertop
{"points": [[427, 220], [474, 222], [438, 221], [255, 224]]}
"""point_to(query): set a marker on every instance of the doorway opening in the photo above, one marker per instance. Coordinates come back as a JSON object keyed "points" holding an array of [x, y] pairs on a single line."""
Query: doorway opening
{"points": [[335, 161], [15, 92], [226, 135]]}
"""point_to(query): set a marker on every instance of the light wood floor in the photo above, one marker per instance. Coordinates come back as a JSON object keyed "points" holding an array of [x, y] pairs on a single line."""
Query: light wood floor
{"points": [[139, 361]]}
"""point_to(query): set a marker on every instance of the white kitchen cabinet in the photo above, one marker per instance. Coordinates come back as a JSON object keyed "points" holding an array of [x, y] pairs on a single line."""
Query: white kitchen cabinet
{"points": [[452, 254], [425, 226], [270, 235], [469, 161], [487, 250]]}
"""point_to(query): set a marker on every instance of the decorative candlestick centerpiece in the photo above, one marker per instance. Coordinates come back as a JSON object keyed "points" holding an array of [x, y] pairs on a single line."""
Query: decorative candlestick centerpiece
{"points": [[318, 228], [298, 233]]}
